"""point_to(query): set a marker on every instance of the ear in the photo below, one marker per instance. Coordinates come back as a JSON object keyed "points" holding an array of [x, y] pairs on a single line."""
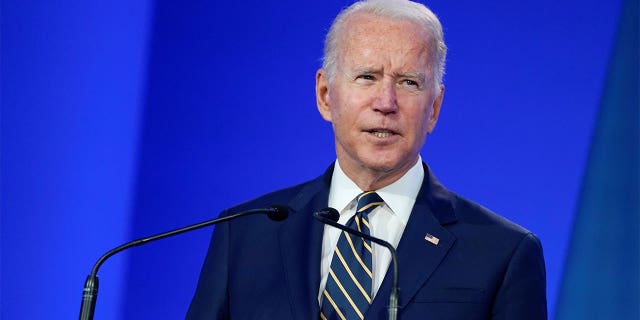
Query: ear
{"points": [[435, 110], [322, 95]]}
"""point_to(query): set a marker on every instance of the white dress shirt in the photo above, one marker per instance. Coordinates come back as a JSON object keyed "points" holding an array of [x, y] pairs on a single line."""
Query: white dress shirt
{"points": [[386, 222]]}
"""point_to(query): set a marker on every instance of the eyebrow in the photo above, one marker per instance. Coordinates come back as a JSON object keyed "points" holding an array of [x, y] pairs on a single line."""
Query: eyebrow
{"points": [[420, 76], [412, 75], [366, 70]]}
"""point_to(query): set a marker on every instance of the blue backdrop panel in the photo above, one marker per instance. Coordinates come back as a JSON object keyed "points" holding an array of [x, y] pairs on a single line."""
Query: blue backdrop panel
{"points": [[602, 274], [72, 80], [138, 117]]}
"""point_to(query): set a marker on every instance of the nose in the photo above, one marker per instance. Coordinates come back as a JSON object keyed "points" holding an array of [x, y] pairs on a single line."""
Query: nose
{"points": [[385, 100]]}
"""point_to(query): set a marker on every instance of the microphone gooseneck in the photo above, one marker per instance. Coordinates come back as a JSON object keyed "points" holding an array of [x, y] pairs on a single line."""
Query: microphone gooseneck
{"points": [[330, 216], [90, 291]]}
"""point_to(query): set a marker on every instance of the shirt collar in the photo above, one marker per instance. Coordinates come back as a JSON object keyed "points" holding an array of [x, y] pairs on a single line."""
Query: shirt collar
{"points": [[399, 196]]}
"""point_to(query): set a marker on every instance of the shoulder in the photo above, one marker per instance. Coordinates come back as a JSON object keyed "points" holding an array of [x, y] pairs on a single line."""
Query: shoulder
{"points": [[291, 197], [464, 217], [278, 197], [477, 224], [470, 212]]}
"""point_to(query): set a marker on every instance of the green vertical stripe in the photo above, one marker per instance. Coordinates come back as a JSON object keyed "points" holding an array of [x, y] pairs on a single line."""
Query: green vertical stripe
{"points": [[602, 271]]}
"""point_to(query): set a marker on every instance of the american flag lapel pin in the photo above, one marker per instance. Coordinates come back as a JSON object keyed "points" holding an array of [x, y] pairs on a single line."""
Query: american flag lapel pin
{"points": [[431, 239]]}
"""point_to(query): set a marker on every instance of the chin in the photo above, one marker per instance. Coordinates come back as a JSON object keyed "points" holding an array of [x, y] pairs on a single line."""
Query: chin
{"points": [[382, 164], [385, 162]]}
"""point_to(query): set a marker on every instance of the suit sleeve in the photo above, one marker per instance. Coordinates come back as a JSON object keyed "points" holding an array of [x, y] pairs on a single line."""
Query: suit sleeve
{"points": [[210, 300], [522, 294]]}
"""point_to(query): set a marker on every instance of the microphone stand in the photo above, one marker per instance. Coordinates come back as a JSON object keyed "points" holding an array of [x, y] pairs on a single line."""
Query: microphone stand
{"points": [[90, 291], [326, 215]]}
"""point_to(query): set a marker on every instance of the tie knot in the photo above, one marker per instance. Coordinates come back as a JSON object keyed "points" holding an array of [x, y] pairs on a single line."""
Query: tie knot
{"points": [[367, 201]]}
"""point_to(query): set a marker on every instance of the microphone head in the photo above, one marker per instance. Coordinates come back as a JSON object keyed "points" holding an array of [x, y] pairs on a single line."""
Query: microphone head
{"points": [[278, 212], [330, 213]]}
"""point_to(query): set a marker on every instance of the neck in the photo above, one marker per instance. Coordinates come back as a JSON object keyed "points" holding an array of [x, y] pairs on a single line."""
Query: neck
{"points": [[368, 179]]}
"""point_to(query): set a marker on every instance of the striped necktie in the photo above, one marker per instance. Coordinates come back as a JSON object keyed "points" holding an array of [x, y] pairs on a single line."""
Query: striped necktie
{"points": [[347, 294]]}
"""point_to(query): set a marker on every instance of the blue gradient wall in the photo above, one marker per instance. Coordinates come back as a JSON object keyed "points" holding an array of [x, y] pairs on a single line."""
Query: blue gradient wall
{"points": [[124, 119], [73, 82]]}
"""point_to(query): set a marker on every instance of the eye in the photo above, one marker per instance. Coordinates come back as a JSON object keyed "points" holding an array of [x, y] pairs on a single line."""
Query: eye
{"points": [[410, 82], [367, 77]]}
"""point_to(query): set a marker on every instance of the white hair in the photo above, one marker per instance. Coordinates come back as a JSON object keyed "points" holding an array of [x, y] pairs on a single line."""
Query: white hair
{"points": [[393, 9]]}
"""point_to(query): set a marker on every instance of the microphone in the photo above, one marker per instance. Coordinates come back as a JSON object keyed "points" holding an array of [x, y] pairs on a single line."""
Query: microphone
{"points": [[90, 292], [330, 216]]}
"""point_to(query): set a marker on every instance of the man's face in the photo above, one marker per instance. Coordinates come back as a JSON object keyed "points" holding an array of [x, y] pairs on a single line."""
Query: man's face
{"points": [[382, 100]]}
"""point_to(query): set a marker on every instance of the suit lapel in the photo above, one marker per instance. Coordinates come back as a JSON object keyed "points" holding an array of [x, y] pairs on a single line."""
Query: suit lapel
{"points": [[301, 247], [418, 258]]}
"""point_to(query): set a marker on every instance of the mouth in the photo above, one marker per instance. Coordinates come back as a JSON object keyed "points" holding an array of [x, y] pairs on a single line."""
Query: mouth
{"points": [[382, 133]]}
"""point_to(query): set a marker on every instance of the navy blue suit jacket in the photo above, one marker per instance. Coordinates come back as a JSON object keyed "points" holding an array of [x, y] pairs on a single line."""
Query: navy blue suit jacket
{"points": [[483, 267]]}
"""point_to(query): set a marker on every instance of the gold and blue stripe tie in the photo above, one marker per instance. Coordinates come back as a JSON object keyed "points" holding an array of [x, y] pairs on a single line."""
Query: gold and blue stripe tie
{"points": [[347, 294]]}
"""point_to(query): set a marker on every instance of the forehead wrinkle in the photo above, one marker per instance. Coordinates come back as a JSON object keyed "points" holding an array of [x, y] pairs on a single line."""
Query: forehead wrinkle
{"points": [[410, 61], [358, 44], [368, 70]]}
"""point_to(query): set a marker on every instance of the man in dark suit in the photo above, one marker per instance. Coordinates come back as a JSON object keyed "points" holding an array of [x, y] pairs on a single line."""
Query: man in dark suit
{"points": [[380, 87]]}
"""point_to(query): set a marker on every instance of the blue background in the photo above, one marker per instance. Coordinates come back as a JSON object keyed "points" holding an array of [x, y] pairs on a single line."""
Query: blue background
{"points": [[122, 119]]}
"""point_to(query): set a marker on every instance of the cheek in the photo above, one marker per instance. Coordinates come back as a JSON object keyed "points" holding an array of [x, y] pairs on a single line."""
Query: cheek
{"points": [[342, 108], [421, 119]]}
